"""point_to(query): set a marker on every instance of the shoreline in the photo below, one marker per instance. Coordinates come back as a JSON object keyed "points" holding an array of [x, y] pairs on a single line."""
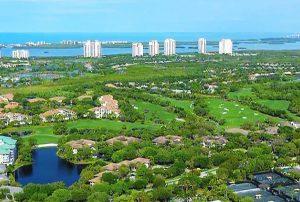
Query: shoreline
{"points": [[46, 145]]}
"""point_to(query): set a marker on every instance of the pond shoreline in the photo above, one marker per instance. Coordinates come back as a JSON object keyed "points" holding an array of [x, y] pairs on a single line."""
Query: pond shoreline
{"points": [[46, 145]]}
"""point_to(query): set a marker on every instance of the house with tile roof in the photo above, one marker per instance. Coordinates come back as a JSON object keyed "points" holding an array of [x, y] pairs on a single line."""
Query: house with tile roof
{"points": [[79, 144], [51, 115], [109, 106]]}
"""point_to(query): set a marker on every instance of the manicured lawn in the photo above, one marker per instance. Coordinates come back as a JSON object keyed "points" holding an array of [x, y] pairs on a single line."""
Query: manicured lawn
{"points": [[187, 105], [153, 111], [44, 134], [275, 104], [109, 124], [234, 113], [243, 92]]}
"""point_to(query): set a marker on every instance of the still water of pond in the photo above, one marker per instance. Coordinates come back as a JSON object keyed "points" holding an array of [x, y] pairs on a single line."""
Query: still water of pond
{"points": [[47, 167]]}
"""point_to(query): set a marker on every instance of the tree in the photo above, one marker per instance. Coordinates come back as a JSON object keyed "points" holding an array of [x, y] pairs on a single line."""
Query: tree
{"points": [[201, 162], [98, 197], [188, 185], [79, 195], [162, 194], [159, 181], [140, 183], [110, 178], [247, 199], [60, 128], [61, 195]]}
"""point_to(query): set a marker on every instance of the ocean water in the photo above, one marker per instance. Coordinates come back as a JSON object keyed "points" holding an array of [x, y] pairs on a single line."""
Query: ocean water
{"points": [[8, 38], [13, 38]]}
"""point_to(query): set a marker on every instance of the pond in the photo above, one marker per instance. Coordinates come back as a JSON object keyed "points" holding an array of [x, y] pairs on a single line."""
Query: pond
{"points": [[47, 167]]}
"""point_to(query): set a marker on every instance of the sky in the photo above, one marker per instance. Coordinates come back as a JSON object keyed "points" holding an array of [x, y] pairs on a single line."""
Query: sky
{"points": [[150, 16]]}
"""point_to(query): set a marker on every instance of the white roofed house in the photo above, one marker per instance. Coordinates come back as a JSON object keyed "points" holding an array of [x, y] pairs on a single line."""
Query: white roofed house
{"points": [[63, 114]]}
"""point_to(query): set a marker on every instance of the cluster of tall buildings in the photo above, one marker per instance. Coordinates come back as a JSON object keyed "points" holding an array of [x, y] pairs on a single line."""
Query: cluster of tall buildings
{"points": [[93, 48], [20, 54]]}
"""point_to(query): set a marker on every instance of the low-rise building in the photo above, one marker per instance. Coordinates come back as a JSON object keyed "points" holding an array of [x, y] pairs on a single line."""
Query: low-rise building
{"points": [[213, 141], [11, 105], [171, 139], [35, 100], [123, 139], [109, 107], [16, 118], [295, 125], [85, 97], [8, 150], [79, 144], [114, 167], [52, 115], [6, 97], [58, 99], [3, 173]]}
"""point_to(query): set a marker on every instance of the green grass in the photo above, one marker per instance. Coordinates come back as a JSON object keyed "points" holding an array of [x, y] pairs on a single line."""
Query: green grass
{"points": [[187, 105], [153, 111], [135, 72], [275, 104], [109, 124], [44, 134], [236, 114], [243, 92]]}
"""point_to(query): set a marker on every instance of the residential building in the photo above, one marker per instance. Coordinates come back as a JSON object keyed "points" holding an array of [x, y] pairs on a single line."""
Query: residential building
{"points": [[137, 49], [8, 150], [225, 46], [109, 107], [202, 46], [52, 115], [295, 125], [170, 47], [123, 139], [153, 48], [16, 118], [92, 49], [6, 97], [58, 99], [85, 97], [79, 144], [20, 54], [3, 173], [170, 139], [36, 99], [113, 167], [213, 141], [11, 105]]}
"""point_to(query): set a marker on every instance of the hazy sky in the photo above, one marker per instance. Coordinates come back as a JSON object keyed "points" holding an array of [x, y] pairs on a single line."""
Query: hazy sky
{"points": [[149, 15]]}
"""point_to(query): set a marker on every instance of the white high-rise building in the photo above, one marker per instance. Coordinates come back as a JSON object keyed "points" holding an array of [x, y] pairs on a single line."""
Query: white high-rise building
{"points": [[92, 49], [20, 54], [202, 46], [225, 46], [170, 47], [137, 49], [153, 48]]}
